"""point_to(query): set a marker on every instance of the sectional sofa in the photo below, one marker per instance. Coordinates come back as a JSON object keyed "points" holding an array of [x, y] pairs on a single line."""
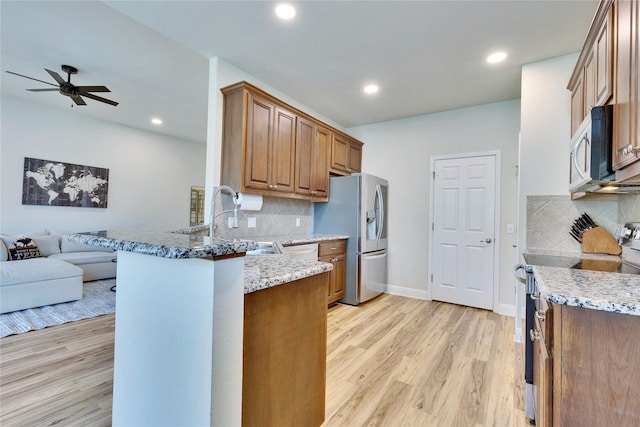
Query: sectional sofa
{"points": [[54, 274]]}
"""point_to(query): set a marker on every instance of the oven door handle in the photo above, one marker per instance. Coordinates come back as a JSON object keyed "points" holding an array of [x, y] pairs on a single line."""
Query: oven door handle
{"points": [[521, 279]]}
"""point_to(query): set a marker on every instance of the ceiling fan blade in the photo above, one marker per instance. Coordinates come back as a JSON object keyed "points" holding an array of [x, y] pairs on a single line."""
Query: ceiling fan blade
{"points": [[42, 90], [78, 100], [27, 77], [84, 89], [99, 98], [55, 76]]}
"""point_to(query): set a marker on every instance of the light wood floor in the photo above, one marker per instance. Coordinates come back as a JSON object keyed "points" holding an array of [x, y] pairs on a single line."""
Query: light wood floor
{"points": [[392, 362]]}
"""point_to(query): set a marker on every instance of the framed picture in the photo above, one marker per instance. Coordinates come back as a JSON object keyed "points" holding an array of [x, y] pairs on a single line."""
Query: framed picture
{"points": [[53, 183]]}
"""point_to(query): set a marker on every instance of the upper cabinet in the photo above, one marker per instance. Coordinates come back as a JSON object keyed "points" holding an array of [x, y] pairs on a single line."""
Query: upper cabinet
{"points": [[591, 83], [625, 107], [607, 73], [273, 149], [346, 155], [270, 146]]}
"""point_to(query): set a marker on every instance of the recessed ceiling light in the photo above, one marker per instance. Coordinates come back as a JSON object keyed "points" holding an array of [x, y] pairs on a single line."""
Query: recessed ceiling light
{"points": [[156, 121], [496, 57], [285, 11], [371, 89]]}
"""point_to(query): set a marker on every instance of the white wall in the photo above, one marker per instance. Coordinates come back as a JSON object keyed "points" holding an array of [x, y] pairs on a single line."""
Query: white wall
{"points": [[150, 175], [545, 132], [400, 151]]}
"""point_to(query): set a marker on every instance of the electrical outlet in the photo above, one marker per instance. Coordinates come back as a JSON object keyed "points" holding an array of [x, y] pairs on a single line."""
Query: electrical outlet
{"points": [[297, 222], [251, 222], [510, 228]]}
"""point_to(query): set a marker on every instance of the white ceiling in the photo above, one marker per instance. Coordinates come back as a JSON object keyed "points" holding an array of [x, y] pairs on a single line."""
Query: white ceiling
{"points": [[427, 56]]}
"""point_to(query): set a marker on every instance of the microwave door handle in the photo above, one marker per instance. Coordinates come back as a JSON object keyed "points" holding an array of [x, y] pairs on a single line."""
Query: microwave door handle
{"points": [[574, 150]]}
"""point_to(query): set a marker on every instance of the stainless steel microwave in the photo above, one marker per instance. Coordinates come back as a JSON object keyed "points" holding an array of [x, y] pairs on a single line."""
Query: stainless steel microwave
{"points": [[590, 154]]}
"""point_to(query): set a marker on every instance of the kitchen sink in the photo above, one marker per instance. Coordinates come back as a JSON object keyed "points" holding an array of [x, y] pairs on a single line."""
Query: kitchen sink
{"points": [[265, 248]]}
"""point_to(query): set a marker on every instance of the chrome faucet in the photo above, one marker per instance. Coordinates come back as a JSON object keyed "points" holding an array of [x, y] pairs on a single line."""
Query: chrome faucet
{"points": [[234, 196]]}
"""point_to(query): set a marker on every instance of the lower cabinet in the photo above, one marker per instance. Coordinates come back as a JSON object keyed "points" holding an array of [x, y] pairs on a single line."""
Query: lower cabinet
{"points": [[588, 375], [284, 357], [334, 252]]}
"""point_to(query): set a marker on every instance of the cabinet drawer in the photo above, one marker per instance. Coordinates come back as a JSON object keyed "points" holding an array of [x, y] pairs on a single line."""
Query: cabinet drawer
{"points": [[333, 247]]}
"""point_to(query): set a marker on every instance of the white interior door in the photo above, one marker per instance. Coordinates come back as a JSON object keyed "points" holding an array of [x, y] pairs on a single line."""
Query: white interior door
{"points": [[463, 241]]}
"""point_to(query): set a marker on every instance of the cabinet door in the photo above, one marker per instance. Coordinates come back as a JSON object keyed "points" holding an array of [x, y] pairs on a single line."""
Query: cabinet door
{"points": [[260, 116], [577, 103], [339, 153], [304, 156], [625, 112], [603, 53], [355, 157], [283, 151], [320, 163], [339, 267], [590, 82], [542, 381]]}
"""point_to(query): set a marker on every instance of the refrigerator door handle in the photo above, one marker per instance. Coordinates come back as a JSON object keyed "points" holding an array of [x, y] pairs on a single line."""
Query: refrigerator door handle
{"points": [[380, 211]]}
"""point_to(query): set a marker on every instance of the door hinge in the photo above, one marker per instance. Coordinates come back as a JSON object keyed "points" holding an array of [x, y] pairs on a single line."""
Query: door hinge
{"points": [[432, 226], [433, 174], [431, 277]]}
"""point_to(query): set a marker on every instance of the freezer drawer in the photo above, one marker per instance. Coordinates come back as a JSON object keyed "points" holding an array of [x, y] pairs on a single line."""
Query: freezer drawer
{"points": [[373, 275]]}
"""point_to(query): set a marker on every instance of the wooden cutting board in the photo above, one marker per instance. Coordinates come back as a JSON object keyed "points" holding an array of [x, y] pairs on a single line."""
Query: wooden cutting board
{"points": [[598, 241]]}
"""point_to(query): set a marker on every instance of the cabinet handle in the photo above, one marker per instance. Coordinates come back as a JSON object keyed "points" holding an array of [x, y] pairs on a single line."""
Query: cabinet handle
{"points": [[534, 335], [540, 316]]}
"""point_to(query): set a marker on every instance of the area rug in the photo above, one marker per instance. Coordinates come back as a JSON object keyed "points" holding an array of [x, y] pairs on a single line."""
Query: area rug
{"points": [[97, 299]]}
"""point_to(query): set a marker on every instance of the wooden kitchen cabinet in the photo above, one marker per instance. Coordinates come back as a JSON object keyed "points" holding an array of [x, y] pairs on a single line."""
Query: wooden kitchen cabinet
{"points": [[346, 155], [542, 337], [625, 107], [270, 146], [284, 356], [273, 149], [591, 83], [312, 157], [585, 364], [334, 252]]}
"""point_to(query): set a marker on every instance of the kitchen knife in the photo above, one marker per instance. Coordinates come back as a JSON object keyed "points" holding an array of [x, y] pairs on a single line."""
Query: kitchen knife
{"points": [[589, 220], [577, 239]]}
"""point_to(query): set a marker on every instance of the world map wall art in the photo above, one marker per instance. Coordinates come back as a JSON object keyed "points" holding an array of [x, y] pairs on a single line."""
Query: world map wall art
{"points": [[52, 183]]}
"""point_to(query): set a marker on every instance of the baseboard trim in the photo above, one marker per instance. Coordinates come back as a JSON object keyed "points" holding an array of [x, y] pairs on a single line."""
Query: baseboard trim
{"points": [[506, 310], [401, 291]]}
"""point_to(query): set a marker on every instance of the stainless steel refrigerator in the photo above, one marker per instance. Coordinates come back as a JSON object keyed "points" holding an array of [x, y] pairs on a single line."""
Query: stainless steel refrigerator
{"points": [[357, 208]]}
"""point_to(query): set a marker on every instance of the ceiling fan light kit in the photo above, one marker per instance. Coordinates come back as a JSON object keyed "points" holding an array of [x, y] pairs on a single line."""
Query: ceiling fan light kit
{"points": [[69, 89]]}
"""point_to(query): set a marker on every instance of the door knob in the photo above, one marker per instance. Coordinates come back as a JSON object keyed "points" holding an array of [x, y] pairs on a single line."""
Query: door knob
{"points": [[487, 240]]}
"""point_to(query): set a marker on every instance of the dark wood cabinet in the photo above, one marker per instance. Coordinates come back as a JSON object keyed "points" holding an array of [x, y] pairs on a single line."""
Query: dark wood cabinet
{"points": [[312, 153], [585, 367], [625, 107], [591, 83], [334, 252], [273, 149], [270, 146], [284, 357], [346, 155]]}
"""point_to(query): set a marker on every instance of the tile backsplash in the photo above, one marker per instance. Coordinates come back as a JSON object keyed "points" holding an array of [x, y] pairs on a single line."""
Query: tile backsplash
{"points": [[549, 218], [277, 217]]}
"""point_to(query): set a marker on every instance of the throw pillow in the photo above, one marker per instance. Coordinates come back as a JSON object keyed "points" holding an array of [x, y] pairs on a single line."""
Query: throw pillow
{"points": [[22, 248], [48, 245]]}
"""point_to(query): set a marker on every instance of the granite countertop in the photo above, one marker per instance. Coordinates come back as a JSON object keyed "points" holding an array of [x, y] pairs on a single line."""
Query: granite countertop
{"points": [[178, 244], [298, 239], [265, 271], [615, 292]]}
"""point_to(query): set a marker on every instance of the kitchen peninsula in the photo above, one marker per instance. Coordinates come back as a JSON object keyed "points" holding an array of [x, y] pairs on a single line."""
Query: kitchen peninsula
{"points": [[180, 322], [586, 347]]}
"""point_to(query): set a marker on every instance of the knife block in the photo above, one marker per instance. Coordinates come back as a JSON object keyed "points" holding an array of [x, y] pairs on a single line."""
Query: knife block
{"points": [[598, 241]]}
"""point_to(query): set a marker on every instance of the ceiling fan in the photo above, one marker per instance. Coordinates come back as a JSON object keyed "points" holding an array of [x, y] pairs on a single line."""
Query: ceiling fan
{"points": [[68, 89]]}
